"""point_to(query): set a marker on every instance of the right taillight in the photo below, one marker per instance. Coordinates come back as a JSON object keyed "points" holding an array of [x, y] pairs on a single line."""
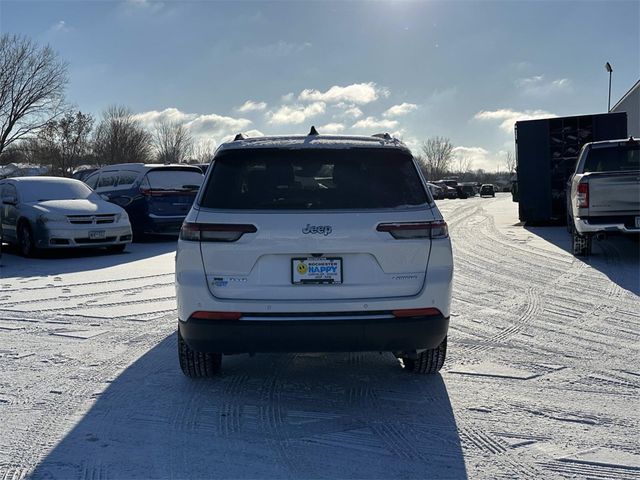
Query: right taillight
{"points": [[415, 230], [214, 232], [582, 199]]}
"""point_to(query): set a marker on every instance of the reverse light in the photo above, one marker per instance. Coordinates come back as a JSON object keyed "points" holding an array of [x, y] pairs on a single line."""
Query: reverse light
{"points": [[214, 232], [415, 230], [416, 312], [202, 315], [582, 199]]}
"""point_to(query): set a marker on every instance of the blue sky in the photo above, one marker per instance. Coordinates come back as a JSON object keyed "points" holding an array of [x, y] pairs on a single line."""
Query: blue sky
{"points": [[464, 70]]}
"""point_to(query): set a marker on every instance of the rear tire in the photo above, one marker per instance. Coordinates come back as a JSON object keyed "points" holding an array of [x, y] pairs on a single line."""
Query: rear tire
{"points": [[429, 361], [581, 244], [197, 364]]}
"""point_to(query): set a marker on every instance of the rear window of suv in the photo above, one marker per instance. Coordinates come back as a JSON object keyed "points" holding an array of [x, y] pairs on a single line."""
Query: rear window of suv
{"points": [[173, 179], [280, 179]]}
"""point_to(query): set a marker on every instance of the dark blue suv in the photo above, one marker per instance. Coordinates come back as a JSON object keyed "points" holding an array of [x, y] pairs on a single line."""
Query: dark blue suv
{"points": [[156, 197]]}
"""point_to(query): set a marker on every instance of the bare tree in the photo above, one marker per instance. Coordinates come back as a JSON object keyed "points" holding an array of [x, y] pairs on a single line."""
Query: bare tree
{"points": [[120, 138], [510, 162], [203, 152], [437, 155], [66, 142], [463, 164], [173, 142], [32, 83]]}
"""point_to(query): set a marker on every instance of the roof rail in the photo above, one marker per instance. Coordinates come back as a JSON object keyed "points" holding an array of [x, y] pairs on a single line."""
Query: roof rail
{"points": [[239, 136], [384, 135], [313, 131]]}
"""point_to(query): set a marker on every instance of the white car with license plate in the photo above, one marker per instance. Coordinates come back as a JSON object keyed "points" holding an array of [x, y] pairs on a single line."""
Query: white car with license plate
{"points": [[313, 243], [40, 213]]}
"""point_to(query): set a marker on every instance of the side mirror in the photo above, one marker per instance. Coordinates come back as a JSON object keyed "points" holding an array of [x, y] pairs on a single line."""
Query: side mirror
{"points": [[9, 200]]}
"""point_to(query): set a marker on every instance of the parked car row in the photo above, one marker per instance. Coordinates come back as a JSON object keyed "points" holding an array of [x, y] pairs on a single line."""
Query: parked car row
{"points": [[448, 188], [115, 204]]}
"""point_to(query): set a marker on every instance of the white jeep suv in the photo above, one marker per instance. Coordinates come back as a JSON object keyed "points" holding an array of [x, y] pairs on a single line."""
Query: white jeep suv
{"points": [[313, 244]]}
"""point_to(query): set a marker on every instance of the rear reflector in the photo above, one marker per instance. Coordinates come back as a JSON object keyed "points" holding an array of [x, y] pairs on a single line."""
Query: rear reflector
{"points": [[214, 232], [417, 312], [582, 199], [414, 230], [216, 315]]}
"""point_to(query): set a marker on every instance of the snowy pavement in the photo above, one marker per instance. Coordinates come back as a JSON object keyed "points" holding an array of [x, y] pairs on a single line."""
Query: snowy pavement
{"points": [[542, 378]]}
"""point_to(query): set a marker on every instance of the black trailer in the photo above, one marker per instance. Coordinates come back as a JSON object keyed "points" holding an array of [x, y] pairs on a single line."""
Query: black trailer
{"points": [[546, 155]]}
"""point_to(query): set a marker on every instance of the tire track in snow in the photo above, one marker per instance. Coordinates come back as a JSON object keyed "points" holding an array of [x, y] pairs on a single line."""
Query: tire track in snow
{"points": [[89, 295], [84, 284]]}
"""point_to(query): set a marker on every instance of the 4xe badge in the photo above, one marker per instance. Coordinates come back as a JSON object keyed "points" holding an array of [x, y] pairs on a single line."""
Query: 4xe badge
{"points": [[317, 229]]}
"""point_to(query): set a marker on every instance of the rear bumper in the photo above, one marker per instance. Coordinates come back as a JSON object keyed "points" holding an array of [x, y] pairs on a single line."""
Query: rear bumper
{"points": [[584, 225], [314, 335]]}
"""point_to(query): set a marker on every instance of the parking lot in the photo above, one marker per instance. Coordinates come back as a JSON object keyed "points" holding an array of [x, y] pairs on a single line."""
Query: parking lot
{"points": [[541, 380]]}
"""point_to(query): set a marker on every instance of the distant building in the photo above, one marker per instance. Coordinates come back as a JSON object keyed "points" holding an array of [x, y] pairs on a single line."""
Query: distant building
{"points": [[630, 103]]}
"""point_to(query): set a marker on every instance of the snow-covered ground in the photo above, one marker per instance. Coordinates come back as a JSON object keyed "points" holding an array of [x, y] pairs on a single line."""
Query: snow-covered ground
{"points": [[542, 378]]}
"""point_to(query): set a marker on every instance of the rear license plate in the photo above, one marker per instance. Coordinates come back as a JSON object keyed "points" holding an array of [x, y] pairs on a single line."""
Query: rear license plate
{"points": [[97, 235], [637, 222], [316, 270]]}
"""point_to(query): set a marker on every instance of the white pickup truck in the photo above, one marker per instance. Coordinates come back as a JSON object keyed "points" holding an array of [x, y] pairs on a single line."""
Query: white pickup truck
{"points": [[603, 195]]}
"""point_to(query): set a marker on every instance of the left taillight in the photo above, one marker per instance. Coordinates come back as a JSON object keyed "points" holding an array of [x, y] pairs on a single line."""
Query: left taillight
{"points": [[214, 232], [415, 230], [582, 197]]}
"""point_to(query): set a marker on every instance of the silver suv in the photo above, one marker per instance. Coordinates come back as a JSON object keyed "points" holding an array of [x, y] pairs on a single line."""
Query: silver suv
{"points": [[313, 243]]}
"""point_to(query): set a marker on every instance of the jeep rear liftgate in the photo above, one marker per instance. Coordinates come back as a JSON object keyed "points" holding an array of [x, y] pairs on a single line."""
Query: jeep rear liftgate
{"points": [[320, 256]]}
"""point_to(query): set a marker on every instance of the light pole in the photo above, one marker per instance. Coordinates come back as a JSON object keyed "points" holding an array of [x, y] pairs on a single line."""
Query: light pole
{"points": [[610, 70]]}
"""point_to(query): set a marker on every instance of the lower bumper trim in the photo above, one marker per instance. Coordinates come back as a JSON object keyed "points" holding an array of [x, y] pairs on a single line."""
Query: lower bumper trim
{"points": [[283, 336]]}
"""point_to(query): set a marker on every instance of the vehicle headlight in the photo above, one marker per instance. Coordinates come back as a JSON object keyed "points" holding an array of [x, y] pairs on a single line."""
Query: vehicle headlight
{"points": [[51, 217], [122, 216]]}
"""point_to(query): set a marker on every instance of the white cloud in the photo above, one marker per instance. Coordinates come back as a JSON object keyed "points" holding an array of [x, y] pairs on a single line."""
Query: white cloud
{"points": [[200, 126], [61, 26], [370, 123], [167, 115], [295, 114], [216, 124], [357, 93], [348, 110], [251, 106], [509, 117], [278, 49], [537, 85], [331, 128], [288, 98], [474, 157], [399, 110]]}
